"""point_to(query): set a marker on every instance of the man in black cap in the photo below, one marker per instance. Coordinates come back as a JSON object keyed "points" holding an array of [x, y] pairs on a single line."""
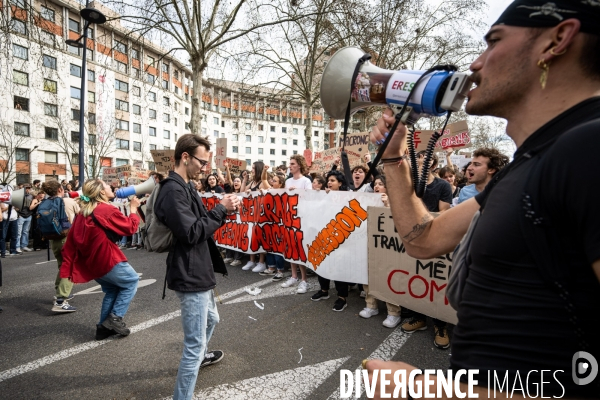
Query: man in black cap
{"points": [[528, 312]]}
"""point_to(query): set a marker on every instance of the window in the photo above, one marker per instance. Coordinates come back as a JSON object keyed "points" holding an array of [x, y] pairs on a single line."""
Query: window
{"points": [[166, 101], [165, 84], [176, 106], [75, 114], [216, 134], [135, 72], [284, 152], [284, 141], [91, 97], [166, 117], [150, 60], [150, 78], [151, 96], [152, 146], [152, 131], [187, 111], [73, 25], [166, 134], [234, 137], [137, 128], [121, 67], [21, 103], [120, 47], [187, 127], [295, 131], [165, 68], [75, 159], [176, 90], [121, 144], [315, 144], [75, 136], [50, 133], [152, 113], [273, 140], [261, 139], [75, 70], [92, 140], [283, 129], [272, 152], [20, 78], [92, 118], [19, 26], [90, 33], [137, 146], [47, 14], [22, 154], [248, 138], [295, 142], [234, 149], [75, 93], [261, 127], [248, 126], [272, 129], [135, 54], [316, 133], [137, 110], [91, 76], [20, 52], [295, 152], [215, 120], [234, 124], [260, 150], [49, 61], [122, 124], [73, 50], [175, 121], [51, 157], [248, 150], [21, 129], [50, 109], [121, 105], [122, 86]]}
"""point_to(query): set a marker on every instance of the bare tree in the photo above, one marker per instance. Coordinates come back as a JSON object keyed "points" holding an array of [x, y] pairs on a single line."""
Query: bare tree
{"points": [[10, 141]]}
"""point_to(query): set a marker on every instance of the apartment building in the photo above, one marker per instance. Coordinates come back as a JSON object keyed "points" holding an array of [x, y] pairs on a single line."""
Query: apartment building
{"points": [[137, 100]]}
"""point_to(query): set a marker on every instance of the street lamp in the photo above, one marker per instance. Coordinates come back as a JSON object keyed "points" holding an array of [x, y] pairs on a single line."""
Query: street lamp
{"points": [[91, 16]]}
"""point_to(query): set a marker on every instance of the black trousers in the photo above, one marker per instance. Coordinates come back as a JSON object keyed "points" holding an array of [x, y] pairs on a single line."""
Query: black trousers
{"points": [[341, 287]]}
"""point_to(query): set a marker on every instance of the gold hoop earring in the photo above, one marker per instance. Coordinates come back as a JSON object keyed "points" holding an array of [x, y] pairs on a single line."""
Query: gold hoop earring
{"points": [[557, 54], [545, 66]]}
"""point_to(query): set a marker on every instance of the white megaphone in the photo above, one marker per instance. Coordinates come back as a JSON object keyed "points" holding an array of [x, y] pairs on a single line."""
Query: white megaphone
{"points": [[437, 93], [143, 188], [16, 198], [76, 194]]}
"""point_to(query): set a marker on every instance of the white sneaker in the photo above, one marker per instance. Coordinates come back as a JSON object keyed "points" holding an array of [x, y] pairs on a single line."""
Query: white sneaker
{"points": [[260, 267], [368, 312], [227, 260], [290, 282], [248, 266], [302, 287], [236, 263], [27, 249], [363, 294], [391, 321]]}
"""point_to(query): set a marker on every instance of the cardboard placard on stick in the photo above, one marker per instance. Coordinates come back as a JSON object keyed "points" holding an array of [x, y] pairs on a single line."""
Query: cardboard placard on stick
{"points": [[397, 278], [220, 152], [109, 174], [236, 166], [456, 136], [164, 160], [357, 144]]}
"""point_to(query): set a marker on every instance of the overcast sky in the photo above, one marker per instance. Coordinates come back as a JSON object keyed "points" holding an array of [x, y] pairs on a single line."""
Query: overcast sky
{"points": [[496, 8]]}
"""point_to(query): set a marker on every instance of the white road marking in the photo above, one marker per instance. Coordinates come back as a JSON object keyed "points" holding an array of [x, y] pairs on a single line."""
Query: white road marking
{"points": [[268, 293], [98, 289], [291, 384], [61, 355], [44, 262], [385, 351]]}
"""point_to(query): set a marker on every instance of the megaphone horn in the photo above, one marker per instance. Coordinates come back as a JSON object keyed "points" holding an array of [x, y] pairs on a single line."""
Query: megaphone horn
{"points": [[76, 194], [16, 198], [142, 188], [438, 92]]}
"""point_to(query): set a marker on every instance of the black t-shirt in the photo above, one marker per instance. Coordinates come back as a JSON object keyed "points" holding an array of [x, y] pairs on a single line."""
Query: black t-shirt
{"points": [[216, 189], [437, 190], [510, 318]]}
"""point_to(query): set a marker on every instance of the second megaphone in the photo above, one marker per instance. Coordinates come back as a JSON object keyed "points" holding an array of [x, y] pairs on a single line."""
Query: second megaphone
{"points": [[138, 190], [437, 93]]}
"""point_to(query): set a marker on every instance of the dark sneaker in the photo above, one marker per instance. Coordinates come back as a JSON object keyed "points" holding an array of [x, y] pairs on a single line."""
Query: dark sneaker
{"points": [[339, 304], [62, 306], [277, 277], [320, 295], [413, 325], [116, 324], [211, 358], [103, 333], [268, 272], [71, 297], [442, 340]]}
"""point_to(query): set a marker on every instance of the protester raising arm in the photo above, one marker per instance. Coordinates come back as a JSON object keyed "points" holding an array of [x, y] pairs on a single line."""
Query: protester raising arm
{"points": [[422, 235], [265, 178]]}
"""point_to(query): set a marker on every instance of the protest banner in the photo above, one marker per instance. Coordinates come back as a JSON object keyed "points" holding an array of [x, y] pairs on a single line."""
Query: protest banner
{"points": [[236, 166], [109, 174], [357, 144], [397, 278], [308, 156], [455, 135], [220, 152], [326, 232], [164, 160]]}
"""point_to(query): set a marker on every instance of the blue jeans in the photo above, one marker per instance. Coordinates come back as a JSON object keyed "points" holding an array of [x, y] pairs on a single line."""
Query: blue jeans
{"points": [[275, 259], [119, 287], [9, 228], [23, 231], [199, 316]]}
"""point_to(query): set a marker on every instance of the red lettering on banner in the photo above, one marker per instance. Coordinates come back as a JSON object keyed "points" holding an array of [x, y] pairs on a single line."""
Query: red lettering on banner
{"points": [[431, 286], [410, 287], [436, 288], [391, 275]]}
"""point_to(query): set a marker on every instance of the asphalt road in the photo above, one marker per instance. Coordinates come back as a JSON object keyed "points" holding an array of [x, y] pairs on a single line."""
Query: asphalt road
{"points": [[294, 348]]}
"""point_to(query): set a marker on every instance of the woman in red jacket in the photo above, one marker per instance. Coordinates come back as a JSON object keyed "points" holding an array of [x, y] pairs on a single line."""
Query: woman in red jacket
{"points": [[90, 252]]}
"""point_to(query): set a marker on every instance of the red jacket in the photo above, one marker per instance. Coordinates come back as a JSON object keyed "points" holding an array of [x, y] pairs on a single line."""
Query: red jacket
{"points": [[88, 253]]}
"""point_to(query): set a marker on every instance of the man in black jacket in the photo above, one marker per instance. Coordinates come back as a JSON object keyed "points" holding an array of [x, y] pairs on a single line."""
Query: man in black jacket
{"points": [[194, 256]]}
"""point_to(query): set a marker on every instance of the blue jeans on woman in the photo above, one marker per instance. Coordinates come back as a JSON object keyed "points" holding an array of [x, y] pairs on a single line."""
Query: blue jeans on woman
{"points": [[199, 316], [119, 287], [276, 260]]}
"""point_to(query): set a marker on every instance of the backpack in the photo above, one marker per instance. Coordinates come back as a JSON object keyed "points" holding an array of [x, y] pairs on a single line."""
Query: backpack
{"points": [[159, 237], [52, 220]]}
